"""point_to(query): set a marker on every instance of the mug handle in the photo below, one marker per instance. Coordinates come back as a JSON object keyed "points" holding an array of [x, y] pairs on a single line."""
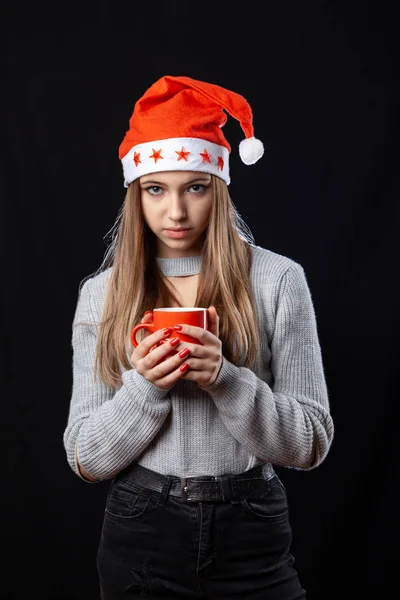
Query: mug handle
{"points": [[149, 326]]}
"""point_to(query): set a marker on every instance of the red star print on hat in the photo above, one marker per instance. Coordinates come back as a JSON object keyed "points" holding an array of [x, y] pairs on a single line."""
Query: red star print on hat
{"points": [[177, 125]]}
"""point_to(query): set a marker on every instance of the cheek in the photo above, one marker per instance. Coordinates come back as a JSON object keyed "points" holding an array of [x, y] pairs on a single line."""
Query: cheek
{"points": [[149, 214], [204, 214]]}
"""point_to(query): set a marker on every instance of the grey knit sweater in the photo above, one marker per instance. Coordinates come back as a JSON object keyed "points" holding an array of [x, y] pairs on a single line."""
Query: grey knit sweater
{"points": [[279, 415]]}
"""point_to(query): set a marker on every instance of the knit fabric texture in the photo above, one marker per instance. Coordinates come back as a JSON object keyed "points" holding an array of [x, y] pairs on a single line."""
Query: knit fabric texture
{"points": [[279, 415]]}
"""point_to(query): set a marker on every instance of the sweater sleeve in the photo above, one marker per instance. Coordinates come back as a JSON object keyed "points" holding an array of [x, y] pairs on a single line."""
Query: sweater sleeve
{"points": [[108, 428], [288, 424]]}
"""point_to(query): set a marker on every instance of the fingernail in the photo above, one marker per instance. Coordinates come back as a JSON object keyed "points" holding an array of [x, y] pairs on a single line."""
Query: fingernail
{"points": [[178, 327], [174, 341], [167, 330], [184, 367], [183, 353], [148, 312]]}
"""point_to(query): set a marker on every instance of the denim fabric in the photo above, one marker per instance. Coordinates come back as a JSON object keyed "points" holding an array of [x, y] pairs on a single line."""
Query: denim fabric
{"points": [[161, 547]]}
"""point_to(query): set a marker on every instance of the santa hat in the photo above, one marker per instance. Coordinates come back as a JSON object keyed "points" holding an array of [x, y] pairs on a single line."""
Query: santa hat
{"points": [[177, 125]]}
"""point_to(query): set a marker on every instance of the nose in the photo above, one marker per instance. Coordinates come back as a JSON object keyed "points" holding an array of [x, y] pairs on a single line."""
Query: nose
{"points": [[176, 207]]}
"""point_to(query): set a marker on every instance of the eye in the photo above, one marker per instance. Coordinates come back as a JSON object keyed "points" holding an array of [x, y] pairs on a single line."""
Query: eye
{"points": [[197, 188], [154, 190]]}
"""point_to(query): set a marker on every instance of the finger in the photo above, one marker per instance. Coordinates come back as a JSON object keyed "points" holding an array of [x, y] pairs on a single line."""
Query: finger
{"points": [[203, 335], [161, 351], [167, 341], [162, 362], [213, 320], [197, 350], [148, 317], [169, 379], [195, 364], [153, 339]]}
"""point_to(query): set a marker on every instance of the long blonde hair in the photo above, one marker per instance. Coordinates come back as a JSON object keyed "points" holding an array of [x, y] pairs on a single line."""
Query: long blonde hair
{"points": [[137, 284]]}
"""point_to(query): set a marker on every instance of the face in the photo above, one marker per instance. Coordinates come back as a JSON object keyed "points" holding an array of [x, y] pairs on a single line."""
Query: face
{"points": [[176, 206]]}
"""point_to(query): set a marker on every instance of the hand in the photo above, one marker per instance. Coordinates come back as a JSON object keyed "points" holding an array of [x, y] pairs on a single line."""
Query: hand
{"points": [[148, 317], [204, 361], [159, 362]]}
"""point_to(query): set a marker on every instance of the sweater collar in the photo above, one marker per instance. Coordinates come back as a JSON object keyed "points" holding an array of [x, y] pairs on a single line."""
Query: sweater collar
{"points": [[179, 267]]}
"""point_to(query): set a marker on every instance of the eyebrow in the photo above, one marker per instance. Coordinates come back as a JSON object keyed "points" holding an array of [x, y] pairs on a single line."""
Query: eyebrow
{"points": [[191, 181]]}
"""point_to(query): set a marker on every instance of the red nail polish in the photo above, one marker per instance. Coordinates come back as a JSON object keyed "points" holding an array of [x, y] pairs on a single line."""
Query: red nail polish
{"points": [[178, 327], [174, 341], [148, 312], [184, 367], [167, 330], [183, 353]]}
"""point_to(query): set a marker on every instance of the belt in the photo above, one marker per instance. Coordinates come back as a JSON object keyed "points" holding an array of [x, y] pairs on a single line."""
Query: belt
{"points": [[250, 484]]}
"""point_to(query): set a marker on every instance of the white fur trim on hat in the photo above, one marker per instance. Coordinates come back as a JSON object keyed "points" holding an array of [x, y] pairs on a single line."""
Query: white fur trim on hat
{"points": [[176, 154]]}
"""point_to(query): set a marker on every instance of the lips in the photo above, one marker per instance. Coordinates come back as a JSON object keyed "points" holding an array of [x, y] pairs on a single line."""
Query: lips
{"points": [[177, 233]]}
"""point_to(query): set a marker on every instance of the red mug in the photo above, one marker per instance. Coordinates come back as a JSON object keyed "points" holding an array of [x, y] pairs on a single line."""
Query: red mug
{"points": [[168, 317]]}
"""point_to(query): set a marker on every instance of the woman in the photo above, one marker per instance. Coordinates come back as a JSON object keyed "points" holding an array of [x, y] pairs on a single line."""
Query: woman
{"points": [[188, 434]]}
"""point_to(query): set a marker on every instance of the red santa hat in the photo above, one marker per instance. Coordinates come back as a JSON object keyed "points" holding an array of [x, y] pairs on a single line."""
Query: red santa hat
{"points": [[177, 125]]}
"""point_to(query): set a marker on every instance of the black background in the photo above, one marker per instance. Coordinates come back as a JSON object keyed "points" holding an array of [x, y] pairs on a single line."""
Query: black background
{"points": [[321, 79]]}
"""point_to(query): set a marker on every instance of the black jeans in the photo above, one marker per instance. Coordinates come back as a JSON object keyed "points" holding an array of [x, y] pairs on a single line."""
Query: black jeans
{"points": [[155, 545]]}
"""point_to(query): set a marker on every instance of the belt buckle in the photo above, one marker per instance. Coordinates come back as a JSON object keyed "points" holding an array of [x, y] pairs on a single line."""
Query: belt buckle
{"points": [[184, 488]]}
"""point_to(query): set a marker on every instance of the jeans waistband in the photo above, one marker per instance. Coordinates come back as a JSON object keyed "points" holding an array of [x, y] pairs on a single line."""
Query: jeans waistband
{"points": [[249, 484]]}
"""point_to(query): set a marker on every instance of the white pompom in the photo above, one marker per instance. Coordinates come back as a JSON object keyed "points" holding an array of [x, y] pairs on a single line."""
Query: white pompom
{"points": [[250, 150]]}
